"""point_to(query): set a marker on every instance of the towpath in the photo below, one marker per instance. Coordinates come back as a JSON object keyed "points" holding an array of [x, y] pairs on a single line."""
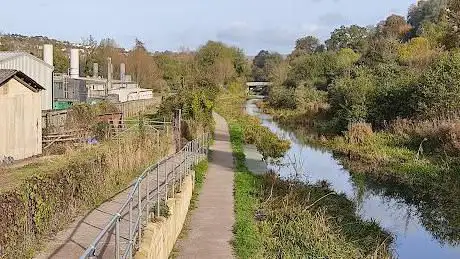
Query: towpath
{"points": [[211, 222]]}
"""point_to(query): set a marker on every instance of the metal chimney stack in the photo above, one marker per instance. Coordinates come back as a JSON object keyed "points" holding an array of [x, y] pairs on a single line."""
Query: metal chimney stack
{"points": [[48, 54], [74, 63], [95, 70], [109, 76], [122, 72]]}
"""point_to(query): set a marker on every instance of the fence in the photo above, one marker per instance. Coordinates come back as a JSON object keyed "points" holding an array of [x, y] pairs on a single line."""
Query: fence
{"points": [[133, 108], [148, 192], [56, 119]]}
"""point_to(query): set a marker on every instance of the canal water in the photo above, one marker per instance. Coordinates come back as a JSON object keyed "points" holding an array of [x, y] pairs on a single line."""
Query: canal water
{"points": [[418, 234]]}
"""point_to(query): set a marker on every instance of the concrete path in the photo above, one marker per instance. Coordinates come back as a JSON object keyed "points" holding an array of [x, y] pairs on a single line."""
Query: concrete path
{"points": [[73, 241], [211, 222]]}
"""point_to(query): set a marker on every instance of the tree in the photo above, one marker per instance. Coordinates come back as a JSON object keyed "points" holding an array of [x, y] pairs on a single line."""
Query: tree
{"points": [[351, 96], [264, 64], [61, 61], [394, 26], [143, 67], [306, 45], [353, 37], [425, 11], [438, 94], [417, 52]]}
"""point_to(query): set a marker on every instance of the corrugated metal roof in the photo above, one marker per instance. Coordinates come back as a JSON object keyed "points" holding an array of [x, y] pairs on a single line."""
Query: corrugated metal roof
{"points": [[7, 55], [7, 74]]}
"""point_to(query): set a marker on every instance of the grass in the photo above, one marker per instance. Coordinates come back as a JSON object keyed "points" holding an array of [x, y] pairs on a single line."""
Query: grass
{"points": [[277, 218], [248, 240], [47, 196], [287, 219]]}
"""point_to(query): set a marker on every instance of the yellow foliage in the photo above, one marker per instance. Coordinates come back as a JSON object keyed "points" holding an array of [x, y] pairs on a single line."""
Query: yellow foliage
{"points": [[417, 51]]}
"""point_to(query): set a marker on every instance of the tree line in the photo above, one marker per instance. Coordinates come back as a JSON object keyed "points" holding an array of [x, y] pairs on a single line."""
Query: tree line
{"points": [[403, 67]]}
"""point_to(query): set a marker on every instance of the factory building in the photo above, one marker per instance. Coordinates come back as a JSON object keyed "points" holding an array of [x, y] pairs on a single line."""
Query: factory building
{"points": [[38, 70], [72, 88]]}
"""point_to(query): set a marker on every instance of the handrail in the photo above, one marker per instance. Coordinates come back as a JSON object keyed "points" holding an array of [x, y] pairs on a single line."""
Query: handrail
{"points": [[188, 156]]}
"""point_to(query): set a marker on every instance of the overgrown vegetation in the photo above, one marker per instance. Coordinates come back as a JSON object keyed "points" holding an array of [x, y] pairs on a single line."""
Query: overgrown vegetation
{"points": [[287, 219], [52, 193], [387, 96], [278, 218]]}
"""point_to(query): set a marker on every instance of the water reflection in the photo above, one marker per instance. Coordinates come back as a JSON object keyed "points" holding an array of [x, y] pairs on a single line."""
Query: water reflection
{"points": [[423, 227]]}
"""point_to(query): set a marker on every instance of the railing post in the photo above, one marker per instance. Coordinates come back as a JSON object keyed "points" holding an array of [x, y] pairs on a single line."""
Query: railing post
{"points": [[173, 169], [181, 168], [158, 190], [166, 179], [117, 237], [130, 244], [147, 188], [139, 214]]}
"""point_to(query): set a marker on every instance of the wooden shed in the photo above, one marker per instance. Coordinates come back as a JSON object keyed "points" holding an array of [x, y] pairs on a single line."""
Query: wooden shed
{"points": [[20, 115]]}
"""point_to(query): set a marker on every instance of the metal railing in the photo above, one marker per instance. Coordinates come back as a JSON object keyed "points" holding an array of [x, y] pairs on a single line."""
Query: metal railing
{"points": [[122, 235]]}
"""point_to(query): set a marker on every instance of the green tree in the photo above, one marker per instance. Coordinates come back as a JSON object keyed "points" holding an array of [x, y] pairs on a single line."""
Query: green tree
{"points": [[306, 45], [353, 37], [61, 61], [425, 11], [351, 96], [264, 65], [438, 94]]}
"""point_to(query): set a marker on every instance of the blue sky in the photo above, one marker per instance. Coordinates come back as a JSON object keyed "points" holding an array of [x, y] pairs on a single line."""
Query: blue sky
{"points": [[175, 24]]}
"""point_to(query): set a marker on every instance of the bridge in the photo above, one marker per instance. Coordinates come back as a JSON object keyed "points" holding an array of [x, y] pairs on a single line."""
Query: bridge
{"points": [[258, 88]]}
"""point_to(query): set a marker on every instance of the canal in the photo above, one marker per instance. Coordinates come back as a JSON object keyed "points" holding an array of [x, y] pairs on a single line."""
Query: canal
{"points": [[419, 232]]}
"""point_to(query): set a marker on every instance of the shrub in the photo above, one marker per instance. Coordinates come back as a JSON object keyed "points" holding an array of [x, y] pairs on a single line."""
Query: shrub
{"points": [[359, 133], [55, 192], [438, 135]]}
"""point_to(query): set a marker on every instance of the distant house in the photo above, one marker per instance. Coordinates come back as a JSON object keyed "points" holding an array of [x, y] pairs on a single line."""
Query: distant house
{"points": [[35, 68], [20, 115]]}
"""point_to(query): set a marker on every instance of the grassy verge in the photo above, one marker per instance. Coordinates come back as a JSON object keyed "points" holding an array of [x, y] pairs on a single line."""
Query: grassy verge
{"points": [[287, 219], [277, 218], [248, 239]]}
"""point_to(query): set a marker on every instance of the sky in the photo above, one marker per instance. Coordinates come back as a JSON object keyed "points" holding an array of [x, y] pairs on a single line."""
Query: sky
{"points": [[177, 24]]}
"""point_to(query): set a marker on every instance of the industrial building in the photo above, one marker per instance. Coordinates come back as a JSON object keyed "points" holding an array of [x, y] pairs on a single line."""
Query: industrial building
{"points": [[20, 115], [38, 70], [73, 88]]}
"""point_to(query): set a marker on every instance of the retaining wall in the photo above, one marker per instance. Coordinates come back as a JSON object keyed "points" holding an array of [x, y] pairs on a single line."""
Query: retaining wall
{"points": [[160, 236]]}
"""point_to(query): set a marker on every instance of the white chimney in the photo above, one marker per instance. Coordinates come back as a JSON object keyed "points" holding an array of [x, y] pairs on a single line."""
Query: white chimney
{"points": [[48, 54], [95, 70], [122, 72], [74, 63]]}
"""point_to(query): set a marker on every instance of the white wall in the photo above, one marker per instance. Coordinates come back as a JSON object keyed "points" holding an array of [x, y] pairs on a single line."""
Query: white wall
{"points": [[36, 69]]}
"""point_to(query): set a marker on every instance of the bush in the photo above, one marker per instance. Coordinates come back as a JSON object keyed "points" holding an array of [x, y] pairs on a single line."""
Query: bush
{"points": [[55, 192], [441, 136], [359, 133], [282, 98]]}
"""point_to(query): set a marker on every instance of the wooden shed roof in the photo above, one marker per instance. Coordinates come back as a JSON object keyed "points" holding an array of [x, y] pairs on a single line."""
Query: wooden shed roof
{"points": [[7, 74]]}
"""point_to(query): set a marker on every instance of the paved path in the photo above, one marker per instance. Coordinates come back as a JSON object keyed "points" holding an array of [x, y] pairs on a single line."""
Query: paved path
{"points": [[212, 221], [73, 241]]}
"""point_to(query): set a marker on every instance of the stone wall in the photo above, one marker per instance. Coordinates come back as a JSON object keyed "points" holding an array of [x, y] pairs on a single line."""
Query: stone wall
{"points": [[160, 236]]}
